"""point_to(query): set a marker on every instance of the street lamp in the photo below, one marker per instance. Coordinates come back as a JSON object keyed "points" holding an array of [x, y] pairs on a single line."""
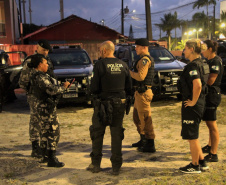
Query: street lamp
{"points": [[102, 22], [197, 32], [222, 25]]}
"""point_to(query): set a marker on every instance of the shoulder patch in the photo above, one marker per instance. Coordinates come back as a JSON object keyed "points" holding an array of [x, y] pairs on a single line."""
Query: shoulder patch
{"points": [[216, 68], [144, 61], [193, 72]]}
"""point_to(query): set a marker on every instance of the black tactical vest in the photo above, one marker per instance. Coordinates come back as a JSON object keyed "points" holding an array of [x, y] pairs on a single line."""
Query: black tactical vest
{"points": [[219, 77], [150, 75], [185, 88], [113, 79]]}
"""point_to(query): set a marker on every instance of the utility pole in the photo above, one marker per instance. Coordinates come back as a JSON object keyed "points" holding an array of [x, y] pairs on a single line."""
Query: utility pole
{"points": [[30, 12], [214, 9], [21, 25], [148, 19], [122, 19], [62, 9], [23, 1]]}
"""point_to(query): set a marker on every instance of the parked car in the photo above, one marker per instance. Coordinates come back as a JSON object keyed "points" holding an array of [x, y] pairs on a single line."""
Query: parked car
{"points": [[10, 73], [167, 67], [72, 62]]}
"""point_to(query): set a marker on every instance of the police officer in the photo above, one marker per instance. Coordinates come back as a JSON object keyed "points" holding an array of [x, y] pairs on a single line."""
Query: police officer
{"points": [[192, 88], [43, 48], [213, 99], [43, 88], [143, 75], [111, 84]]}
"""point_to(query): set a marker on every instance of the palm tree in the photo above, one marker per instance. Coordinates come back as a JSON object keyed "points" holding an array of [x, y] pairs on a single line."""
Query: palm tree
{"points": [[202, 3], [199, 19], [168, 23], [223, 17]]}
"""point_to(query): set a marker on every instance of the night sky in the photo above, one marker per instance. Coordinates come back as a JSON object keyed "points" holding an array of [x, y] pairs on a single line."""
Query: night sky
{"points": [[45, 12]]}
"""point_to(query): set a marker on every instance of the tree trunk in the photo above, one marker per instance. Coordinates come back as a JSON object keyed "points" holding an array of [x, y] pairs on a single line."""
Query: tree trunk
{"points": [[169, 39], [208, 24]]}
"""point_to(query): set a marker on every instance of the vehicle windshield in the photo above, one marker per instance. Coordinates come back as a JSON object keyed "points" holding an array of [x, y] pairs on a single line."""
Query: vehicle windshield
{"points": [[158, 55], [69, 58]]}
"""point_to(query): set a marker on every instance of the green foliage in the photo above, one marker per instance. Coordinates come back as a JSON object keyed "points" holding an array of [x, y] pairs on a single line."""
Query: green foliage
{"points": [[168, 23], [202, 3], [29, 28], [181, 45]]}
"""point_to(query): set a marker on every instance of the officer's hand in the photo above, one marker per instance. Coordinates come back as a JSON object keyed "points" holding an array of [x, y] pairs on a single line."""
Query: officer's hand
{"points": [[189, 103], [66, 84]]}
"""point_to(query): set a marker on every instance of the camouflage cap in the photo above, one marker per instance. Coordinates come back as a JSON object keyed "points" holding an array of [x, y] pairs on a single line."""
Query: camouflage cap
{"points": [[142, 42]]}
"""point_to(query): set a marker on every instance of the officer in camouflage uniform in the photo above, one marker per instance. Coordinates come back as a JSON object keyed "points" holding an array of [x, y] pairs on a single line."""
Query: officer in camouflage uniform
{"points": [[44, 88], [43, 48]]}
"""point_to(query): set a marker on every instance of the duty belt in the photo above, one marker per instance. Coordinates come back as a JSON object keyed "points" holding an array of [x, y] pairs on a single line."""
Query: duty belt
{"points": [[145, 87]]}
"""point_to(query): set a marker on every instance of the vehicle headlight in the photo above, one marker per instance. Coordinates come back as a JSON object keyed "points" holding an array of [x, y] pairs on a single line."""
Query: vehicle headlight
{"points": [[90, 76], [84, 81]]}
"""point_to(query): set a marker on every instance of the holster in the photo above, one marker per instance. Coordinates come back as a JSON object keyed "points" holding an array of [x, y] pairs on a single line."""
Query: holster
{"points": [[129, 102], [105, 109]]}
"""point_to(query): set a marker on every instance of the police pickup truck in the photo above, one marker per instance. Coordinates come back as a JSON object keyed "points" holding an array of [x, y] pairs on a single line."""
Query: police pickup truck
{"points": [[73, 64]]}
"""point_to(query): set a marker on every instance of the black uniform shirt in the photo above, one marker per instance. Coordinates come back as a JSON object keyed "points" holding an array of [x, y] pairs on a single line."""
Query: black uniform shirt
{"points": [[190, 73], [111, 78], [216, 67]]}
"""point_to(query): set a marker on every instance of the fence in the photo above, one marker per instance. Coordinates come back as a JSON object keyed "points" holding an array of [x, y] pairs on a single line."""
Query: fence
{"points": [[91, 49]]}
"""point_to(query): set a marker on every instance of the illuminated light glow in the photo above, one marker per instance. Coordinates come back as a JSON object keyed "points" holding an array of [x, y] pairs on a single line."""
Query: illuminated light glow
{"points": [[222, 25], [221, 36], [194, 30], [200, 29], [190, 33]]}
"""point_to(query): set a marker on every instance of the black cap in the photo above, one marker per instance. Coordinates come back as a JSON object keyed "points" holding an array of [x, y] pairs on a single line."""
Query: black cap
{"points": [[142, 42], [44, 44]]}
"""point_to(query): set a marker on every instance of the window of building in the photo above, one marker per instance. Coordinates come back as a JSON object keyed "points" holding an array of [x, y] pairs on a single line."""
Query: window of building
{"points": [[2, 19]]}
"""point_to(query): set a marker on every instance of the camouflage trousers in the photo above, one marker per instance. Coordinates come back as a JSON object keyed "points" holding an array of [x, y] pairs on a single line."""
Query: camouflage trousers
{"points": [[34, 125], [50, 128]]}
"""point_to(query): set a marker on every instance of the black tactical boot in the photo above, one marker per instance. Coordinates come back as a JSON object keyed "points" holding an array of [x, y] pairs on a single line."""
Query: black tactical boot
{"points": [[149, 146], [138, 144], [115, 171], [45, 154], [143, 142], [93, 168], [53, 161], [36, 152], [95, 164]]}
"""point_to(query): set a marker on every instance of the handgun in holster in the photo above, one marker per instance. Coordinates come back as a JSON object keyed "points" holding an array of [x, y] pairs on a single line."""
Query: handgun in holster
{"points": [[129, 101]]}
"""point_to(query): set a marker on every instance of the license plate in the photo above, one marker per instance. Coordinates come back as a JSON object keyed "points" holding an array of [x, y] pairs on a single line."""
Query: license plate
{"points": [[171, 88], [70, 95]]}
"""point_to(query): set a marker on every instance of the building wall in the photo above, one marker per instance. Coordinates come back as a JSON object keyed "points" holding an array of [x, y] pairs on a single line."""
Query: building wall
{"points": [[11, 23]]}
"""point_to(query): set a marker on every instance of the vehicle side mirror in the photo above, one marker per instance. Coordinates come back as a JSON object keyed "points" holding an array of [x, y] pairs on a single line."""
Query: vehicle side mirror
{"points": [[178, 57]]}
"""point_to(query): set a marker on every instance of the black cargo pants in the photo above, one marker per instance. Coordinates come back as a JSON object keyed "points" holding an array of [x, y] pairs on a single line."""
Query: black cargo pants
{"points": [[97, 131]]}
